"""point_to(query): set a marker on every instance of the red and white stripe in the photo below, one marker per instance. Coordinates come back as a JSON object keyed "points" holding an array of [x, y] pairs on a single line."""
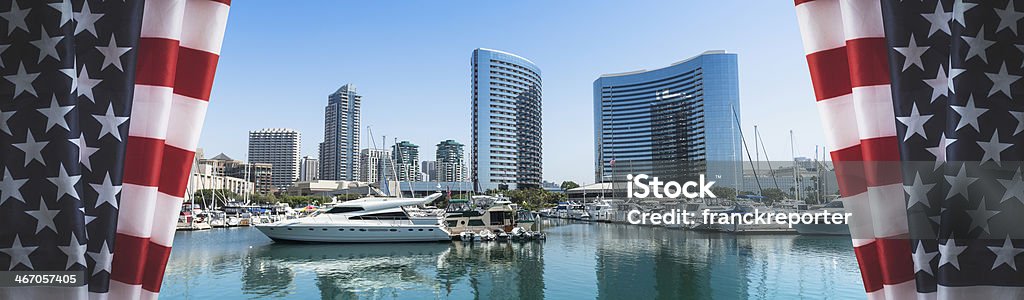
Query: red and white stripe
{"points": [[844, 41], [177, 56]]}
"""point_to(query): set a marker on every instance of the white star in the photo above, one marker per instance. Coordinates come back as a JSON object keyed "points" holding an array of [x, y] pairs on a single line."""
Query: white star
{"points": [[968, 114], [1006, 254], [939, 84], [923, 259], [44, 217], [939, 151], [86, 20], [22, 81], [107, 192], [4, 116], [112, 54], [1008, 18], [19, 253], [15, 18], [915, 123], [959, 8], [977, 45], [109, 123], [993, 148], [912, 53], [939, 20], [102, 259], [75, 252], [1014, 187], [86, 84], [11, 188], [980, 216], [65, 183], [55, 114], [958, 184], [32, 148], [949, 252], [47, 45], [1001, 81], [84, 152], [918, 192], [953, 73], [65, 9]]}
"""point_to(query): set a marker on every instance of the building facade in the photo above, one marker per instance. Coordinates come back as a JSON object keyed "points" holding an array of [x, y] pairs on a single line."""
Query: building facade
{"points": [[429, 167], [339, 152], [406, 157], [373, 164], [675, 122], [309, 169], [506, 122], [204, 177], [259, 174], [278, 147], [450, 164]]}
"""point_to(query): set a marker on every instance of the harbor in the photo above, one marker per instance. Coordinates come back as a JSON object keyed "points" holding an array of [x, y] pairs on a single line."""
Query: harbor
{"points": [[578, 260]]}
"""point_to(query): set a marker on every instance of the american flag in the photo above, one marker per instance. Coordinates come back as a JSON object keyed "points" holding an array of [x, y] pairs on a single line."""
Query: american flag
{"points": [[93, 169], [918, 96]]}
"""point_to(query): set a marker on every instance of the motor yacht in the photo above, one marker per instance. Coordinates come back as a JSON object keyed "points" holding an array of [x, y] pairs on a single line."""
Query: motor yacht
{"points": [[462, 216], [366, 220]]}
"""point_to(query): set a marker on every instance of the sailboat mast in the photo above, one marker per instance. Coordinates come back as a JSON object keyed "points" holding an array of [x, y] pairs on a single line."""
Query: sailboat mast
{"points": [[796, 182]]}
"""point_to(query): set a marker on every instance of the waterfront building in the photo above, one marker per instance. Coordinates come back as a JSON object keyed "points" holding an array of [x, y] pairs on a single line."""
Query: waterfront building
{"points": [[450, 164], [507, 144], [674, 122], [339, 152], [816, 179], [205, 177], [406, 157], [322, 187], [309, 169], [429, 167], [278, 147], [259, 174], [374, 164]]}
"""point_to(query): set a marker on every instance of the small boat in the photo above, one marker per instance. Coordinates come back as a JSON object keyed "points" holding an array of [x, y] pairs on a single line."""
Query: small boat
{"points": [[486, 235]]}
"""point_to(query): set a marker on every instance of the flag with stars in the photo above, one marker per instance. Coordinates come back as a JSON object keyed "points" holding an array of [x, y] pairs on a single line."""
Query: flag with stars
{"points": [[919, 98], [92, 170]]}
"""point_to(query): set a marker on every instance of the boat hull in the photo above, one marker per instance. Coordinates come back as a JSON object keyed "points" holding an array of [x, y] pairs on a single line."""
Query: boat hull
{"points": [[354, 234]]}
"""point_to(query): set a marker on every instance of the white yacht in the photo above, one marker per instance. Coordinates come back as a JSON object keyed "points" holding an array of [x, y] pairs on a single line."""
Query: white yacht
{"points": [[603, 210], [366, 220]]}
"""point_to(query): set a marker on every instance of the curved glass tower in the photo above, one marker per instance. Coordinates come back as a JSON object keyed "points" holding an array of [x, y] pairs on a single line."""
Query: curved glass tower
{"points": [[506, 149], [675, 122]]}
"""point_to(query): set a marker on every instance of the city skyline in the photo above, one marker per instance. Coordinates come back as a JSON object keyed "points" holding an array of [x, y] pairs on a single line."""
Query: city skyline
{"points": [[405, 89]]}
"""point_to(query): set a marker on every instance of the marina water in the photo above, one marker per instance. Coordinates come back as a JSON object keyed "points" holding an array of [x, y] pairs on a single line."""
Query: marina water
{"points": [[578, 261]]}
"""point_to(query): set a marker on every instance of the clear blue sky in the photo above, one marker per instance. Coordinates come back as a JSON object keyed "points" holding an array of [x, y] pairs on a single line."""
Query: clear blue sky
{"points": [[411, 62]]}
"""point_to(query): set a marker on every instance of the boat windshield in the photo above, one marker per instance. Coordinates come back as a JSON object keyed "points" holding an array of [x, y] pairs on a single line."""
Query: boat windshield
{"points": [[344, 209]]}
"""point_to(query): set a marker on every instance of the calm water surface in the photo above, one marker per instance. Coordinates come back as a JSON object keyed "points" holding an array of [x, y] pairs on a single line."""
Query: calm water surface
{"points": [[578, 261]]}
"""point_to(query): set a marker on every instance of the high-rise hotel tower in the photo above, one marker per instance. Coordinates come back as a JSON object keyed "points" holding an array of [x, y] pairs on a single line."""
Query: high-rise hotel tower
{"points": [[339, 153], [675, 122], [506, 151]]}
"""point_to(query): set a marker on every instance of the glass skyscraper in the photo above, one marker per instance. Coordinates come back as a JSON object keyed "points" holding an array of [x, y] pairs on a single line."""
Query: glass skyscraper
{"points": [[674, 123], [339, 153], [506, 150]]}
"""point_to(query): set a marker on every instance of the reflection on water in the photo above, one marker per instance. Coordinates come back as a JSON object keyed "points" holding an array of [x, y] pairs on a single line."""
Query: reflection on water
{"points": [[578, 261]]}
